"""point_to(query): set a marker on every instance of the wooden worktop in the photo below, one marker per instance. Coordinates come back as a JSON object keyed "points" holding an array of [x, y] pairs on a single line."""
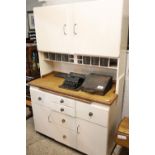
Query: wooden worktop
{"points": [[52, 83]]}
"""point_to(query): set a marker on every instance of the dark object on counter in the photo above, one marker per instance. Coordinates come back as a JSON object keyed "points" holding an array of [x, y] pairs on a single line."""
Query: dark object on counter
{"points": [[96, 83], [73, 81], [61, 75]]}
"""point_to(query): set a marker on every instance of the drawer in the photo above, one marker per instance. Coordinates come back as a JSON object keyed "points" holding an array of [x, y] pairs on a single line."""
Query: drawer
{"points": [[37, 96], [60, 100], [64, 109], [65, 136], [63, 120], [49, 100], [94, 112]]}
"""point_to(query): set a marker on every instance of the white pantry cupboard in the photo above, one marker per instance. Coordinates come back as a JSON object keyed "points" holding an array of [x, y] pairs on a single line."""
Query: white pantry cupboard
{"points": [[93, 28], [88, 28]]}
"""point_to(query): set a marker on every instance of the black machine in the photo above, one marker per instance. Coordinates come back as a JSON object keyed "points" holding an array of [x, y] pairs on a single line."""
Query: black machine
{"points": [[97, 83], [92, 83], [73, 81]]}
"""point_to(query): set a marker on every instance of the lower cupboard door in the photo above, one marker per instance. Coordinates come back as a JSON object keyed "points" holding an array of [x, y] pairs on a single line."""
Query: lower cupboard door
{"points": [[91, 138], [66, 136], [42, 120]]}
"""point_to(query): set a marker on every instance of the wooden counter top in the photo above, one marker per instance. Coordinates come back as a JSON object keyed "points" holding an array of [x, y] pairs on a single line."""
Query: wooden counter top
{"points": [[52, 83]]}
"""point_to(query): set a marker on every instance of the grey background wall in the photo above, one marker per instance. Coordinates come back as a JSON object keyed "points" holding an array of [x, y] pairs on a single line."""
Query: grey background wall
{"points": [[32, 3], [29, 7], [126, 90]]}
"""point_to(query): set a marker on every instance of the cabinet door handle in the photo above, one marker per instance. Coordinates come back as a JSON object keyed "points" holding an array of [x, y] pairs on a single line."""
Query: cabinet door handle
{"points": [[64, 29], [90, 114], [63, 120], [64, 136], [78, 129], [74, 27], [61, 101], [61, 109], [39, 98], [49, 118]]}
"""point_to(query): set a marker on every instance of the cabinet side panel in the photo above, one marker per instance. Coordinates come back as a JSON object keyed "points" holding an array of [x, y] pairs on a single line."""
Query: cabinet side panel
{"points": [[120, 83], [125, 25], [112, 127], [122, 63], [45, 66]]}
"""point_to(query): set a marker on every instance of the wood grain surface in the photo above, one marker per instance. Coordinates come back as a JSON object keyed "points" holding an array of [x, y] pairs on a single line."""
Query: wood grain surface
{"points": [[124, 126], [123, 130], [28, 103], [52, 83]]}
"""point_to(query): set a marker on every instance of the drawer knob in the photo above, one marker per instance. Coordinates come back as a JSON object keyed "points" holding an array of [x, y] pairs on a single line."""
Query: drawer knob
{"points": [[62, 109], [63, 120], [39, 98], [90, 114], [61, 101], [64, 136]]}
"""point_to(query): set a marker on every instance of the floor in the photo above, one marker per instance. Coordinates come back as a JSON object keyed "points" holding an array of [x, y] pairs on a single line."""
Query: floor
{"points": [[38, 144]]}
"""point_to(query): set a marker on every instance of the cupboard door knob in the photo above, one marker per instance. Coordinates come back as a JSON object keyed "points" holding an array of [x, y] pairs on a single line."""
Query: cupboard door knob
{"points": [[74, 31], [49, 118], [62, 109], [64, 136], [64, 29], [61, 101], [90, 114], [39, 98], [78, 129], [63, 120]]}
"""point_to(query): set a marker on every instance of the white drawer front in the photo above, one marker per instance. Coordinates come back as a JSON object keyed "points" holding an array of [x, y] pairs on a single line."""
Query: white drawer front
{"points": [[50, 100], [95, 113], [64, 110], [63, 120], [66, 136], [60, 100], [66, 101], [37, 96]]}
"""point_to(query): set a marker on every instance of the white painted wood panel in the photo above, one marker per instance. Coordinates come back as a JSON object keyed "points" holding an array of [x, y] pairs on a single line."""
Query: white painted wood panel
{"points": [[100, 113], [42, 98], [60, 100], [64, 110], [66, 136], [98, 27], [64, 120], [52, 24], [45, 67], [37, 96], [91, 138], [42, 121]]}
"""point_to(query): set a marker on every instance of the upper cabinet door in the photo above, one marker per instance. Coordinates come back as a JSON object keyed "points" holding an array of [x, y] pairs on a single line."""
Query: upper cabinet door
{"points": [[97, 27], [52, 24]]}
